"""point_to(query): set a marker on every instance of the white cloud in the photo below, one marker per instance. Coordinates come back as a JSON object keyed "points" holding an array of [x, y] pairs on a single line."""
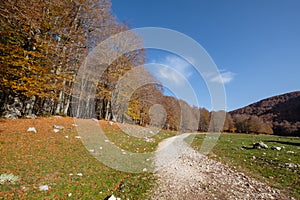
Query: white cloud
{"points": [[174, 73], [179, 65], [174, 70], [223, 78]]}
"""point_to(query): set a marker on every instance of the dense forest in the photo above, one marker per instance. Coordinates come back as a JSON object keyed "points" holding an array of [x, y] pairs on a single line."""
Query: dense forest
{"points": [[44, 43]]}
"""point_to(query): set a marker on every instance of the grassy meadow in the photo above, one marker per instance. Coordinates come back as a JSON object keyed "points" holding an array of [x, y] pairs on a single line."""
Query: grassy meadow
{"points": [[61, 161]]}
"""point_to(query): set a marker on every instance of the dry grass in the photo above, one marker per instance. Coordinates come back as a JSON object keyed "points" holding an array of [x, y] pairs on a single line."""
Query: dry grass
{"points": [[48, 158]]}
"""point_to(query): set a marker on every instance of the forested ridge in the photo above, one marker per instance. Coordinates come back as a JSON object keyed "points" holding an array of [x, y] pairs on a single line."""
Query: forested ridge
{"points": [[44, 43], [282, 112]]}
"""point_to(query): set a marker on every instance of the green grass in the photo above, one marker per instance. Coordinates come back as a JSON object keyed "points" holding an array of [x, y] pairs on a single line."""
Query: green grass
{"points": [[267, 165], [48, 158]]}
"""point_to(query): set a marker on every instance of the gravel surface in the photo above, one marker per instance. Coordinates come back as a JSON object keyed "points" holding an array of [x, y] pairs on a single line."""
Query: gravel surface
{"points": [[183, 173]]}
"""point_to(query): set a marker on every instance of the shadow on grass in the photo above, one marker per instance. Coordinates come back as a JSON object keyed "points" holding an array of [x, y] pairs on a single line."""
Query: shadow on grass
{"points": [[284, 142]]}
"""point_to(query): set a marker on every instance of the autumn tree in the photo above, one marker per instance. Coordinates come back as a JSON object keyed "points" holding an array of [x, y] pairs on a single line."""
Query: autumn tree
{"points": [[173, 110], [43, 44], [204, 120], [229, 124]]}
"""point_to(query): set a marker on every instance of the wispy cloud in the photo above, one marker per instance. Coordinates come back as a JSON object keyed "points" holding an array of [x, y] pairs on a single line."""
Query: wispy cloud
{"points": [[175, 70], [223, 78]]}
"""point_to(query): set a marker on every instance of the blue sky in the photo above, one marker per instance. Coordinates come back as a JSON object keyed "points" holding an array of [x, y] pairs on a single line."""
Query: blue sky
{"points": [[254, 43]]}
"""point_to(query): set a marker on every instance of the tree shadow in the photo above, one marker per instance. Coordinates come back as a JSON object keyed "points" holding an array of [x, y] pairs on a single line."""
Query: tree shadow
{"points": [[284, 142]]}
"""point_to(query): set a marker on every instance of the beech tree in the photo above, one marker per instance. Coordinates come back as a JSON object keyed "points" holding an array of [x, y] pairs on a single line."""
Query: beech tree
{"points": [[203, 120], [43, 43]]}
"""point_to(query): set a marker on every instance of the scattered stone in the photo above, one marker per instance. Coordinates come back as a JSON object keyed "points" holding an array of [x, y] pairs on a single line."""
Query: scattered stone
{"points": [[77, 137], [106, 140], [67, 136], [79, 174], [259, 145], [32, 116], [112, 197], [276, 148], [31, 129], [193, 175], [56, 130], [146, 139], [44, 187], [8, 178], [145, 169], [58, 127], [111, 123], [70, 194], [100, 148], [291, 165], [290, 152], [92, 150]]}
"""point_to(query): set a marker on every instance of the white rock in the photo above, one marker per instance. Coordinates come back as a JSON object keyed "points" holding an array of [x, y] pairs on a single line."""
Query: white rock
{"points": [[145, 169], [79, 174], [67, 136], [56, 130], [77, 137], [74, 125], [44, 187], [31, 129], [291, 152], [111, 123], [92, 150], [33, 116], [58, 127], [70, 194], [146, 139], [94, 119], [276, 148], [112, 197], [58, 117]]}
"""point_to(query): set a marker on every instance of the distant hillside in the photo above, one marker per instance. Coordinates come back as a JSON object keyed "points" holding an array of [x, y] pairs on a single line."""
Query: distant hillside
{"points": [[283, 111]]}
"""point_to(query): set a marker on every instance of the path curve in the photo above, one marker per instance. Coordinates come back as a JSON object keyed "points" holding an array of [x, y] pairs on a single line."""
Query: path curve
{"points": [[184, 173]]}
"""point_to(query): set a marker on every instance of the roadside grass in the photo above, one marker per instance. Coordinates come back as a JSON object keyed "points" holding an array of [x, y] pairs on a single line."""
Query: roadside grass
{"points": [[49, 158], [131, 143], [279, 169]]}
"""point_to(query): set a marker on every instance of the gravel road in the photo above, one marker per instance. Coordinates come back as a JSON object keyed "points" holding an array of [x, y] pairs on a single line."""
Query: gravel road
{"points": [[183, 173]]}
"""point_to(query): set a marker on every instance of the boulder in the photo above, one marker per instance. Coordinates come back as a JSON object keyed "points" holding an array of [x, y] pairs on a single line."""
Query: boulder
{"points": [[259, 145], [276, 148], [31, 129]]}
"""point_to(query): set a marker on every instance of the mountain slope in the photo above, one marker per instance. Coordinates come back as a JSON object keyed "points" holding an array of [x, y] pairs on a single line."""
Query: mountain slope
{"points": [[283, 111]]}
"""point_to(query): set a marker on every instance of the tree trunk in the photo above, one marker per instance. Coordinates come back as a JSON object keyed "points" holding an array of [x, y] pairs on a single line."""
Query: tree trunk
{"points": [[107, 111], [29, 106]]}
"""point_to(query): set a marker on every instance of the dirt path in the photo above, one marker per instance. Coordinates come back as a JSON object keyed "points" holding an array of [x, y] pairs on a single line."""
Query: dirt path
{"points": [[195, 176]]}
